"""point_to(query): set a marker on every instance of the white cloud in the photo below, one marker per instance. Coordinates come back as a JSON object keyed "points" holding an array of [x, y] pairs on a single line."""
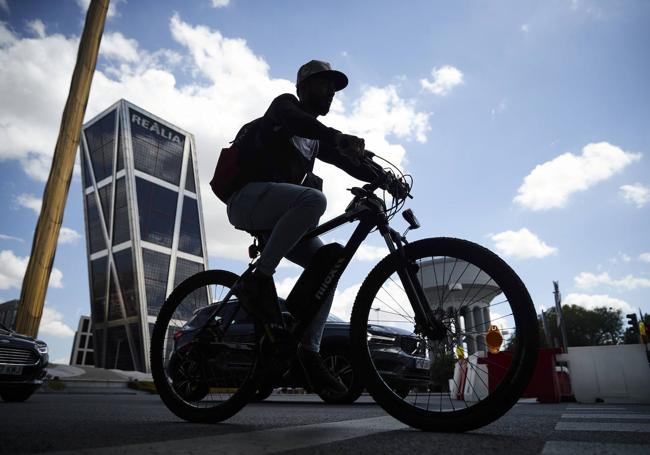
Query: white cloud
{"points": [[586, 280], [12, 270], [229, 85], [524, 28], [52, 324], [117, 46], [344, 301], [220, 3], [444, 80], [636, 194], [37, 27], [10, 237], [550, 184], [371, 253], [645, 257], [590, 301], [500, 108], [521, 244], [67, 235], [285, 286], [29, 201]]}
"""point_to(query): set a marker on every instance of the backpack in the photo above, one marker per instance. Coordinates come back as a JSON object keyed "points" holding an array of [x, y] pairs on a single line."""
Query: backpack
{"points": [[233, 172]]}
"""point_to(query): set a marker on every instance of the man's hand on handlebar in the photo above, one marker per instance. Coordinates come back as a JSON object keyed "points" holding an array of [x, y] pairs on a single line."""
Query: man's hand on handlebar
{"points": [[351, 146], [397, 188]]}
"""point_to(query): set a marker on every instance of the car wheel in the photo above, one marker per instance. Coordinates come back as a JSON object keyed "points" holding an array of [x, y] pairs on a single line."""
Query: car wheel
{"points": [[17, 395], [339, 363]]}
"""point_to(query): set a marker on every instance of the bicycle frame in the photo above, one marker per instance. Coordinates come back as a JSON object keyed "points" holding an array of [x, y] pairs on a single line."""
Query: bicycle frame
{"points": [[370, 210]]}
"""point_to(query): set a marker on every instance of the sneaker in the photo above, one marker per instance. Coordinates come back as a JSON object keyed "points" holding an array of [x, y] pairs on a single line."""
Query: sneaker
{"points": [[257, 294], [319, 378]]}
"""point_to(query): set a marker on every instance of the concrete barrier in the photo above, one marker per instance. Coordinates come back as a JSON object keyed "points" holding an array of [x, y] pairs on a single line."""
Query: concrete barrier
{"points": [[609, 374]]}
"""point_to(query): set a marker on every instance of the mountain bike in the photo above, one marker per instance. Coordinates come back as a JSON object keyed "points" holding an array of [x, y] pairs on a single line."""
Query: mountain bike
{"points": [[458, 317]]}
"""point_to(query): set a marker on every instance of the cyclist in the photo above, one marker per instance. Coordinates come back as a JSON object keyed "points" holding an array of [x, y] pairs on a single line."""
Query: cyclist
{"points": [[280, 195]]}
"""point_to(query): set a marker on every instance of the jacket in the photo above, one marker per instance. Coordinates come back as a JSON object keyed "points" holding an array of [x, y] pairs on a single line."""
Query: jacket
{"points": [[282, 145]]}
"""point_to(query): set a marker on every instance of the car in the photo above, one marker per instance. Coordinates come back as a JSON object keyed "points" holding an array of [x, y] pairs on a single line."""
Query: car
{"points": [[399, 356], [22, 365]]}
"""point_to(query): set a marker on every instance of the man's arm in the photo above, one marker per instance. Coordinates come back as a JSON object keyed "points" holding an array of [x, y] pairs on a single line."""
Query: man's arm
{"points": [[366, 171]]}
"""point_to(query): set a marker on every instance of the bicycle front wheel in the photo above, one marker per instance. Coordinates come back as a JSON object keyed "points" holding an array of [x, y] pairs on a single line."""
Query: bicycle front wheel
{"points": [[479, 369], [205, 351]]}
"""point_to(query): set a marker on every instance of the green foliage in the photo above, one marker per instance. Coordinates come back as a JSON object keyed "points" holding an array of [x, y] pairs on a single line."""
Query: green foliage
{"points": [[597, 327], [55, 384]]}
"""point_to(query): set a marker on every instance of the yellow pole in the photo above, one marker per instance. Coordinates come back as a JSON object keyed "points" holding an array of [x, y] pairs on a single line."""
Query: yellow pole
{"points": [[37, 276]]}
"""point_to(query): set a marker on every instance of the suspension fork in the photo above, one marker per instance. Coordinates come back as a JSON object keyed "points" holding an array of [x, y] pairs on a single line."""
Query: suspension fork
{"points": [[425, 321]]}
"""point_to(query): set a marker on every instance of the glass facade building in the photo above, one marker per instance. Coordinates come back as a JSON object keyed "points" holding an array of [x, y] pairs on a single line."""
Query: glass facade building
{"points": [[144, 226]]}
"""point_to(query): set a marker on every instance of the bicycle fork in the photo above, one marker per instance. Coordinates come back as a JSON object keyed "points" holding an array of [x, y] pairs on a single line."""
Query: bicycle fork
{"points": [[425, 321]]}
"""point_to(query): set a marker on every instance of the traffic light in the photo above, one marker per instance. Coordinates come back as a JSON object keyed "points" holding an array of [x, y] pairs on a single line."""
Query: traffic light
{"points": [[633, 321]]}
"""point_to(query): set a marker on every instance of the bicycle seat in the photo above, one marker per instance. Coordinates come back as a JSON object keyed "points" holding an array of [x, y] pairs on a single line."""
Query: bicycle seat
{"points": [[259, 242]]}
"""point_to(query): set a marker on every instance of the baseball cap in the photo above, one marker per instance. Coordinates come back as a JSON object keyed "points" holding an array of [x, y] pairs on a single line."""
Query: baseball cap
{"points": [[318, 67]]}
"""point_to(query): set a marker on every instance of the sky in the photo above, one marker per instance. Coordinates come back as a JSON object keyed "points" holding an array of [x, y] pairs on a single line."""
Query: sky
{"points": [[524, 125]]}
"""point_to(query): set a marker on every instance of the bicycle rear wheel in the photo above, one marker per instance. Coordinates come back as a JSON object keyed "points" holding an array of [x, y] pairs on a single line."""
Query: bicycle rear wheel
{"points": [[476, 373], [205, 365]]}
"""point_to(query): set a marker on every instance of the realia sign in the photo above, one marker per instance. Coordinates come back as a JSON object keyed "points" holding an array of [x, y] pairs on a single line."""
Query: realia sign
{"points": [[153, 127]]}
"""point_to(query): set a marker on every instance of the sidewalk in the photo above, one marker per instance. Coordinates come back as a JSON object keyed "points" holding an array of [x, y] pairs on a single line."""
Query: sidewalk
{"points": [[90, 380]]}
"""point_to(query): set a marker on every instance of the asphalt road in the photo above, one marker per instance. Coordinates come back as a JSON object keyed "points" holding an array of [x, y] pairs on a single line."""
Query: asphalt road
{"points": [[139, 423]]}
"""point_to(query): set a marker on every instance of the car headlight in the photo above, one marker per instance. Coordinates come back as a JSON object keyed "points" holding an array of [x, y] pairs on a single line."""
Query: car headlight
{"points": [[42, 348], [384, 339]]}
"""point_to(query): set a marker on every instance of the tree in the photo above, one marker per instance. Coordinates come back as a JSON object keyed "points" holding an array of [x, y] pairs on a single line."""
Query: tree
{"points": [[597, 327]]}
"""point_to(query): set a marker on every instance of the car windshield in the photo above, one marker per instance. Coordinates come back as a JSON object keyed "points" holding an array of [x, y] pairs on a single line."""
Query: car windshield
{"points": [[3, 327], [333, 318]]}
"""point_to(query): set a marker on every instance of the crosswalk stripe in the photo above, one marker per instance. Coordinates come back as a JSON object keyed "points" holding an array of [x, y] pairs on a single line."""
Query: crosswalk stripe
{"points": [[589, 448], [627, 416], [258, 442], [603, 426], [595, 408]]}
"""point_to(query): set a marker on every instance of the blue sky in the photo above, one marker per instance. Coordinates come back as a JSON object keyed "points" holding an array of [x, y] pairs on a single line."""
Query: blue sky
{"points": [[524, 124]]}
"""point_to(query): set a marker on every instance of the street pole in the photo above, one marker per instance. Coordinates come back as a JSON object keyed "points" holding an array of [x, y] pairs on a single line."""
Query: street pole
{"points": [[560, 316], [39, 267]]}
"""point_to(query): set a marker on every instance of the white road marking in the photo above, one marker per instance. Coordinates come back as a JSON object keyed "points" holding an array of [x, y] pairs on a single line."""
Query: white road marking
{"points": [[603, 426], [257, 442], [607, 416], [594, 408], [590, 448]]}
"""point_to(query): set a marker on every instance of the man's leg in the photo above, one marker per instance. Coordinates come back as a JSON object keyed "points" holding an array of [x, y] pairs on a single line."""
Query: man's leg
{"points": [[301, 254], [289, 211]]}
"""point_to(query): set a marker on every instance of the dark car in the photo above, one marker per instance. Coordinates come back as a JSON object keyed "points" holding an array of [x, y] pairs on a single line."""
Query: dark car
{"points": [[398, 355], [22, 365]]}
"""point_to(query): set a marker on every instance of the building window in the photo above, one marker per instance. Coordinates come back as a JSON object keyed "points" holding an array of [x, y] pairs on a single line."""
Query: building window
{"points": [[84, 325], [82, 342], [100, 138], [157, 149], [98, 274], [157, 209], [156, 269], [189, 180], [190, 235], [121, 232], [95, 233], [124, 265], [105, 196]]}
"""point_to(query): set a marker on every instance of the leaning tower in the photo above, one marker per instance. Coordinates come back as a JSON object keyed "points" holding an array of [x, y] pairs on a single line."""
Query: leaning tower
{"points": [[144, 226]]}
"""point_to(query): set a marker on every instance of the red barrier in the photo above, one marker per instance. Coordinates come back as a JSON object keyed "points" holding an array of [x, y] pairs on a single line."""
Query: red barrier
{"points": [[544, 385]]}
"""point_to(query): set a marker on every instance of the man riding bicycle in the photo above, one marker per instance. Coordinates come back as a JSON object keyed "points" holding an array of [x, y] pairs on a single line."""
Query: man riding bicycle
{"points": [[281, 196]]}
